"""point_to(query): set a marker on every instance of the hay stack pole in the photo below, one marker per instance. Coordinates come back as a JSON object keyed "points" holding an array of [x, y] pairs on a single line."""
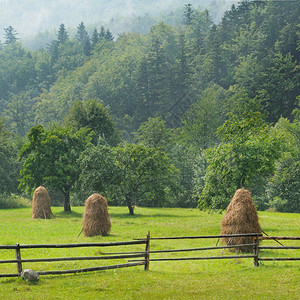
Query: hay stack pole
{"points": [[96, 220], [240, 217], [41, 204]]}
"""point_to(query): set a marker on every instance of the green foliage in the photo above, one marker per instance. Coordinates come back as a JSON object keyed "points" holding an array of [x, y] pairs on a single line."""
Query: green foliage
{"points": [[81, 34], [164, 71], [13, 201], [131, 174], [154, 134], [145, 174], [83, 38], [98, 171], [94, 116], [183, 156], [154, 83], [188, 14], [204, 117], [62, 35], [19, 113], [197, 33], [17, 72], [283, 190], [51, 158], [171, 86], [95, 37], [247, 154], [8, 161], [10, 35], [284, 187]]}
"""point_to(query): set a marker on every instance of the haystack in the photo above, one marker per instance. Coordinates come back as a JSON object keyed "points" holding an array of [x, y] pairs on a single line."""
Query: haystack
{"points": [[41, 204], [96, 220], [240, 217]]}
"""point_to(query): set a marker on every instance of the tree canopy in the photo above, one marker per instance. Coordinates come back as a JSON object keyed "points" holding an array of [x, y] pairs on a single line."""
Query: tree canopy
{"points": [[134, 174], [211, 101], [8, 161], [50, 158], [245, 157]]}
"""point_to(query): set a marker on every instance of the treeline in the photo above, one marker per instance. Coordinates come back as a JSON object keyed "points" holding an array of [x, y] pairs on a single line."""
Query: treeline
{"points": [[31, 17], [179, 116]]}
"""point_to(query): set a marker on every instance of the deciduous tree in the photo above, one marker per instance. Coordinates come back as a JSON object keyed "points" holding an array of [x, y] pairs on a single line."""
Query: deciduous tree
{"points": [[8, 161], [133, 174], [50, 158], [247, 154]]}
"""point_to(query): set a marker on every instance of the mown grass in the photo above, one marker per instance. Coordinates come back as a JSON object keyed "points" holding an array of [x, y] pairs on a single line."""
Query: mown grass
{"points": [[211, 279]]}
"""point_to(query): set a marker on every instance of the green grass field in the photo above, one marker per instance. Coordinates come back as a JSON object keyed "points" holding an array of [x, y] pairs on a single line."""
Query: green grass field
{"points": [[207, 279]]}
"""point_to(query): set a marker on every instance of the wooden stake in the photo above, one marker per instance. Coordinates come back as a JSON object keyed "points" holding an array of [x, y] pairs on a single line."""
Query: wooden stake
{"points": [[147, 256], [256, 251], [18, 258]]}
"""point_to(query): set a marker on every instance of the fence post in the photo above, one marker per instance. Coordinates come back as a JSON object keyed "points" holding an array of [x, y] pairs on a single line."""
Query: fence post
{"points": [[18, 258], [147, 250], [256, 251]]}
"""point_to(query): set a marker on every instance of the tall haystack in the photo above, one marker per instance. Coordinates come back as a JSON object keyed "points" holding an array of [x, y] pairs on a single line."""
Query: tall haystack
{"points": [[41, 204], [240, 217], [96, 220]]}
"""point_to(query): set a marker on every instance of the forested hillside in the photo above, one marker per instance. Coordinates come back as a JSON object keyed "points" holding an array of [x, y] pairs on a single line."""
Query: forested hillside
{"points": [[36, 21], [178, 116]]}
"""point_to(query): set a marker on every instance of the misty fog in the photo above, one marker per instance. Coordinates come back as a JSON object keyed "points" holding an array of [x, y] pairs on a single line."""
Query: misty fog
{"points": [[30, 17]]}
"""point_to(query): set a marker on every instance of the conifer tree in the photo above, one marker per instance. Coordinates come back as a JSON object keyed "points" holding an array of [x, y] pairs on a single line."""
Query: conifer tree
{"points": [[62, 35], [188, 14], [102, 33], [95, 37], [108, 35], [81, 34], [10, 35], [87, 46]]}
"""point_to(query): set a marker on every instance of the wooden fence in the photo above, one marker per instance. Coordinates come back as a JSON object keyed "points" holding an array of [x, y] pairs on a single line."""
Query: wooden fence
{"points": [[129, 255], [257, 237], [254, 255], [281, 247], [138, 258]]}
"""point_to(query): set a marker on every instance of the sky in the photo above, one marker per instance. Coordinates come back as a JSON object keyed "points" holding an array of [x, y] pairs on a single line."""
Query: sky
{"points": [[29, 17]]}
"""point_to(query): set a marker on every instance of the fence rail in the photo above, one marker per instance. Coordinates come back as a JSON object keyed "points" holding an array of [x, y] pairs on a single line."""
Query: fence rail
{"points": [[18, 259], [277, 238], [255, 236], [142, 258]]}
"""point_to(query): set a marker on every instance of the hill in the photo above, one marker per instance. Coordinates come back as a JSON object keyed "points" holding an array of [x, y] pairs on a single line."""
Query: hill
{"points": [[37, 21]]}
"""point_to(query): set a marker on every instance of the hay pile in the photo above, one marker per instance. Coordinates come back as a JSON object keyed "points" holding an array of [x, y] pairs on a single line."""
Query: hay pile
{"points": [[96, 220], [41, 204], [240, 217]]}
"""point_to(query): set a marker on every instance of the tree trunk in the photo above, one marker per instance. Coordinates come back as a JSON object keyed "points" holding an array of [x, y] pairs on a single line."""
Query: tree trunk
{"points": [[67, 206], [129, 204], [131, 209]]}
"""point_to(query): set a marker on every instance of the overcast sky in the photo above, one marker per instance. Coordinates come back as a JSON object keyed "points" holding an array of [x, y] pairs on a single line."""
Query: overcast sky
{"points": [[29, 17]]}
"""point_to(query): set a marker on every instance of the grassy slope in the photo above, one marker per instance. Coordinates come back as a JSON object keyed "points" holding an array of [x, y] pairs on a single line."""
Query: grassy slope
{"points": [[223, 279]]}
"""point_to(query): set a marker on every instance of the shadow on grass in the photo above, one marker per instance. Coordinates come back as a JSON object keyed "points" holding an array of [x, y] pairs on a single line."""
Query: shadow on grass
{"points": [[128, 216], [69, 214]]}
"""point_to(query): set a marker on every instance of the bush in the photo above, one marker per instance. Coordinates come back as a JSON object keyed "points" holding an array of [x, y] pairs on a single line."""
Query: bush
{"points": [[13, 201], [278, 204]]}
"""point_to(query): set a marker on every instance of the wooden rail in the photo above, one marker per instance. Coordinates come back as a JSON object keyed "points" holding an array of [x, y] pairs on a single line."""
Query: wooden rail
{"points": [[254, 245], [138, 258], [18, 259], [277, 238]]}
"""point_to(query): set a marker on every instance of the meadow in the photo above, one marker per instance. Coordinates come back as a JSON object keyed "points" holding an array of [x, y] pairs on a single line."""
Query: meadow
{"points": [[209, 279]]}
